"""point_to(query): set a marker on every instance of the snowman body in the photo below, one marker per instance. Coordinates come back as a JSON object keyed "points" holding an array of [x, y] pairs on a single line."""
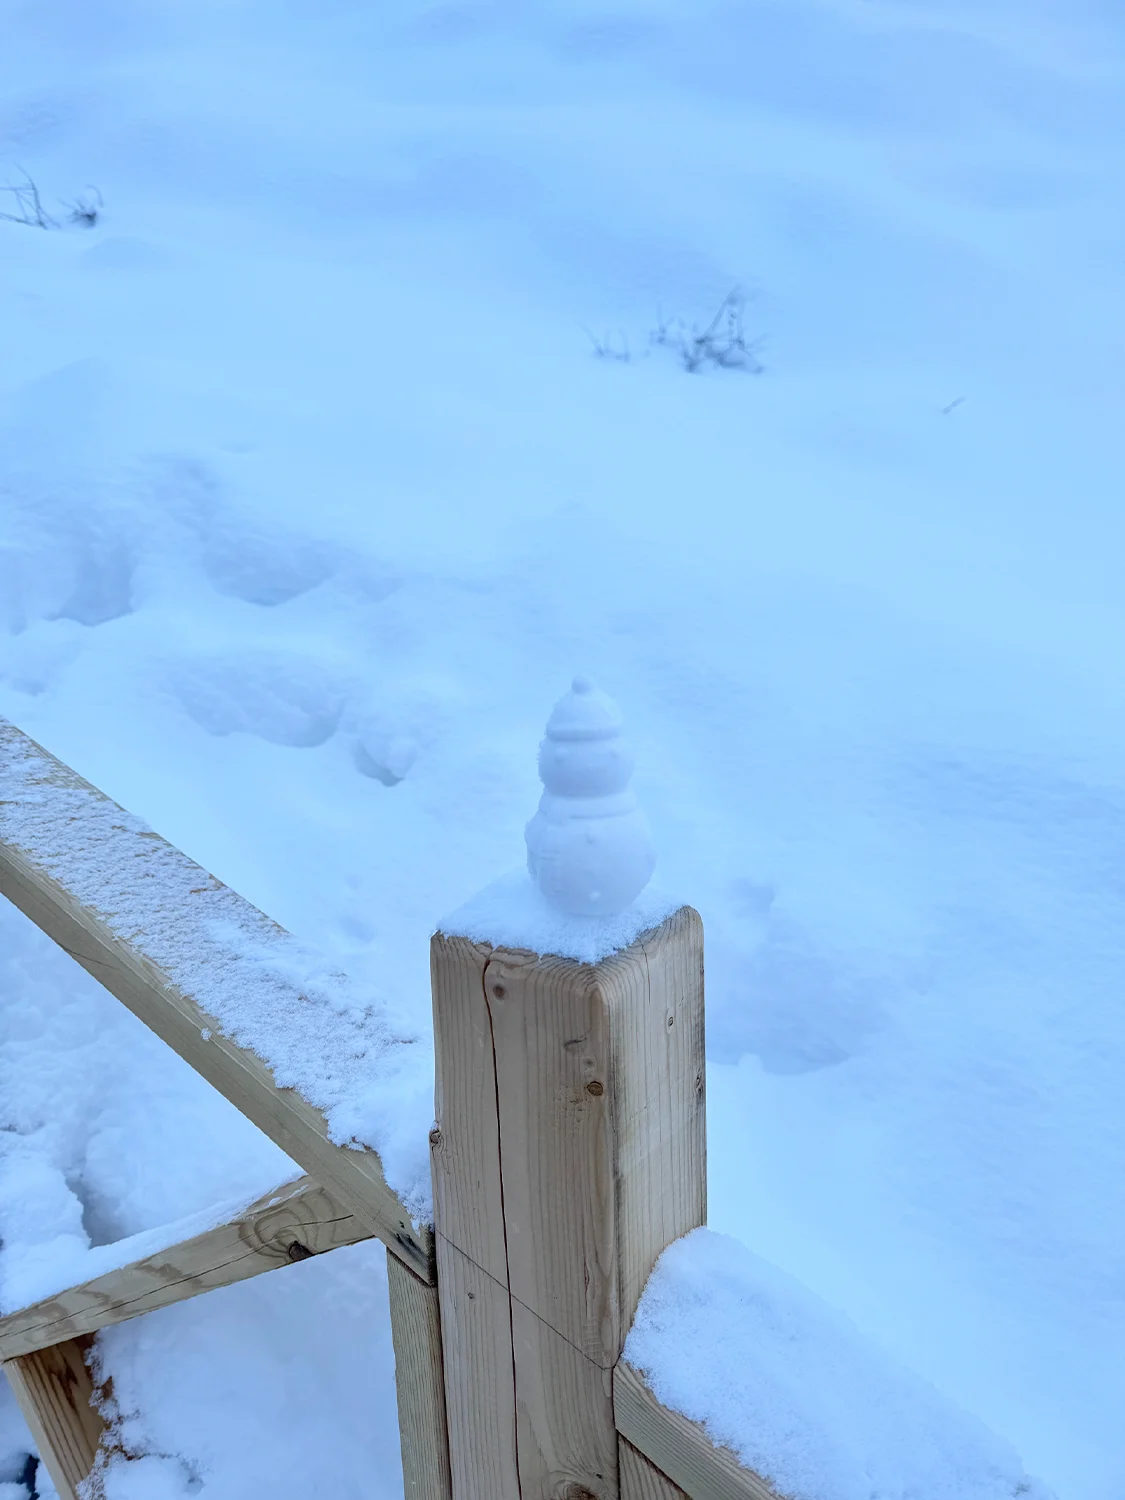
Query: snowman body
{"points": [[588, 847]]}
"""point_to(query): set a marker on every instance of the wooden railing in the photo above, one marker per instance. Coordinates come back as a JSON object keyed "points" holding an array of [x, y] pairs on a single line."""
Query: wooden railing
{"points": [[568, 1152]]}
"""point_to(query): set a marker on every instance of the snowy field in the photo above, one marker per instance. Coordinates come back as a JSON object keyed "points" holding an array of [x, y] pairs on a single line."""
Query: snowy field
{"points": [[347, 434]]}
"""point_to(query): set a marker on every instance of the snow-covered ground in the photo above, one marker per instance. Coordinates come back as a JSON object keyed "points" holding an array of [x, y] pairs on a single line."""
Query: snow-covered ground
{"points": [[314, 494]]}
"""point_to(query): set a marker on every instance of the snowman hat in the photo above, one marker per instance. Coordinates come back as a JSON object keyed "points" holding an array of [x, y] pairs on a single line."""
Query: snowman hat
{"points": [[585, 713]]}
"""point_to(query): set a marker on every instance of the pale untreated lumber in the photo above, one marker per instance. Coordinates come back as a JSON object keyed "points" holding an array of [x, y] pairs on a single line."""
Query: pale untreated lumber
{"points": [[180, 1019], [641, 1479], [569, 1152], [476, 1319], [289, 1224], [678, 1447], [54, 1391], [416, 1333]]}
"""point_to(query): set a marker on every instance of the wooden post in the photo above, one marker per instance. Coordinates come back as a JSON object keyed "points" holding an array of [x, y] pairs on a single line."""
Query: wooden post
{"points": [[54, 1391], [416, 1332], [569, 1152]]}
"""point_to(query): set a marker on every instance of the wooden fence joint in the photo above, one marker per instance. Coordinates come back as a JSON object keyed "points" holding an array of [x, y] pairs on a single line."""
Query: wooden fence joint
{"points": [[569, 1151]]}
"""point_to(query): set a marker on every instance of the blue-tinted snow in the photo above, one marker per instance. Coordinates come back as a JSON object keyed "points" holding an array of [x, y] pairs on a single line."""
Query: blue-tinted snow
{"points": [[511, 913], [797, 1393], [313, 497]]}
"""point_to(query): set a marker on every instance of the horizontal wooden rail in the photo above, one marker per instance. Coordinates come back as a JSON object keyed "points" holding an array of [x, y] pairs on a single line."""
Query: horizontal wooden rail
{"points": [[678, 1447], [292, 1223], [141, 917]]}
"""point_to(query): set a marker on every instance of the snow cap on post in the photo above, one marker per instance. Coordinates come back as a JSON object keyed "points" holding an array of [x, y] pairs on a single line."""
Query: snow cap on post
{"points": [[588, 847]]}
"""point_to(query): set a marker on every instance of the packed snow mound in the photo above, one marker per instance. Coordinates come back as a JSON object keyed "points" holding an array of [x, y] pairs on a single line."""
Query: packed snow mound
{"points": [[797, 1392], [511, 912]]}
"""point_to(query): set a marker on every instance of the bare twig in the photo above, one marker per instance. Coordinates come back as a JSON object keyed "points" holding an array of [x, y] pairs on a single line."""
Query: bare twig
{"points": [[27, 205], [86, 208], [604, 348], [29, 208], [722, 343]]}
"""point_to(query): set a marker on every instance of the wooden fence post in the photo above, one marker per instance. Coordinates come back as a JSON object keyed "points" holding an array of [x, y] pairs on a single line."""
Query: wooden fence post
{"points": [[569, 1151], [55, 1394], [416, 1333]]}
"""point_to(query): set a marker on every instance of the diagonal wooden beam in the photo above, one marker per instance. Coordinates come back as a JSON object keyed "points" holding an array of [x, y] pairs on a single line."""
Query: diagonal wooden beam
{"points": [[679, 1449], [641, 1479], [290, 1224], [142, 918]]}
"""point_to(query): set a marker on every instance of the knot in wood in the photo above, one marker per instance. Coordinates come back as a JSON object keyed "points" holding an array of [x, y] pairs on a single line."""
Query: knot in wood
{"points": [[296, 1251], [595, 1088], [435, 1137]]}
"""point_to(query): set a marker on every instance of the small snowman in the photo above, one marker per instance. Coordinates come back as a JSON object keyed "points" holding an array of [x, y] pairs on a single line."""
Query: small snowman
{"points": [[588, 847]]}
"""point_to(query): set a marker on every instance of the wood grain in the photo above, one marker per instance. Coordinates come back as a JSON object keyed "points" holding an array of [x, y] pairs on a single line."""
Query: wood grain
{"points": [[642, 1480], [291, 1223], [655, 997], [551, 1035], [53, 1388], [680, 1448], [565, 1438], [602, 1145], [416, 1331], [476, 1322], [122, 965], [570, 1151]]}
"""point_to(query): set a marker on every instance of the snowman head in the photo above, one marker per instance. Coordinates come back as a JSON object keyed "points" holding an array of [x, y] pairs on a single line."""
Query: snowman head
{"points": [[583, 753]]}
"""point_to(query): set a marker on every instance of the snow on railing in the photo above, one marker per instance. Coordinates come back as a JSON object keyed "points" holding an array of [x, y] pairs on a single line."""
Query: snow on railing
{"points": [[783, 1386], [293, 1045], [567, 1155]]}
